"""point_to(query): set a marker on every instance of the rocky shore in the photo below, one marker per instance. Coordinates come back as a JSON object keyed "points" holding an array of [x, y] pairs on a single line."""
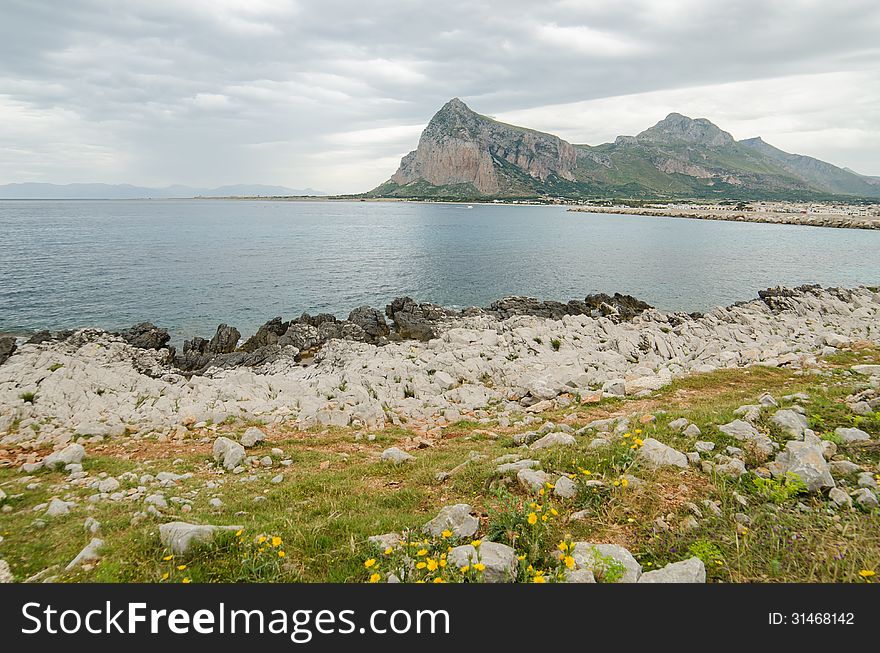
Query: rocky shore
{"points": [[428, 367], [806, 219]]}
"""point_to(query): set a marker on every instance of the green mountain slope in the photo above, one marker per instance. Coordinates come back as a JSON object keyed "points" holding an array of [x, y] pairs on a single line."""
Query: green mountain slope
{"points": [[465, 155]]}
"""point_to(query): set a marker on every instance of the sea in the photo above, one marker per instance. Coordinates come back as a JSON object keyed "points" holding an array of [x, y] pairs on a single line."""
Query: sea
{"points": [[189, 265]]}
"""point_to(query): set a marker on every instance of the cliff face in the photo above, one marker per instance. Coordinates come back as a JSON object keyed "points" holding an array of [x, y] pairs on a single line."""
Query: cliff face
{"points": [[464, 155], [462, 147]]}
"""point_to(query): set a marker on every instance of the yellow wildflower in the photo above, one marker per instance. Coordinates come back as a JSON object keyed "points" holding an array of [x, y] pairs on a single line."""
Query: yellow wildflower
{"points": [[239, 532], [476, 543], [432, 564], [439, 580], [389, 550], [867, 573], [422, 552], [181, 567], [624, 482], [554, 512], [446, 533], [539, 579], [421, 565], [374, 578], [569, 562], [186, 581], [465, 569], [562, 546], [165, 576], [168, 557], [276, 541], [543, 517], [480, 566], [261, 539], [533, 518], [370, 563], [627, 435], [281, 554]]}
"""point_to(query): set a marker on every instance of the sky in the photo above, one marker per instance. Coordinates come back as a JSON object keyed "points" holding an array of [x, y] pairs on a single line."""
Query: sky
{"points": [[330, 94]]}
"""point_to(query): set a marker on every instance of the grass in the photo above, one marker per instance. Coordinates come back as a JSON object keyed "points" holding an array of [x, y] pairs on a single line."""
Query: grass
{"points": [[336, 493]]}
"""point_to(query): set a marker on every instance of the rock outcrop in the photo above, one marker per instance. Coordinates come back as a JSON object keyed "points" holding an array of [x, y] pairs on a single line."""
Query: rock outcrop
{"points": [[462, 147], [471, 360]]}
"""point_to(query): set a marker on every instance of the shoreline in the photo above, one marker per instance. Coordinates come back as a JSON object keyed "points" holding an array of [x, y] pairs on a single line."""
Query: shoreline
{"points": [[807, 220], [429, 367]]}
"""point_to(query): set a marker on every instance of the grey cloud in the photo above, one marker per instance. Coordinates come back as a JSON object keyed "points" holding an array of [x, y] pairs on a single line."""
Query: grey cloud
{"points": [[223, 91]]}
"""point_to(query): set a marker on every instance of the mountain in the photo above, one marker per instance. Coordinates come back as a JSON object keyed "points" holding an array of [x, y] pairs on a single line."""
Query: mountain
{"points": [[464, 155], [32, 190]]}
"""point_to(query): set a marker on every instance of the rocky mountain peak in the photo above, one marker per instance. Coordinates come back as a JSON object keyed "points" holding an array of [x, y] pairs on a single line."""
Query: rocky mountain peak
{"points": [[676, 129], [460, 146]]}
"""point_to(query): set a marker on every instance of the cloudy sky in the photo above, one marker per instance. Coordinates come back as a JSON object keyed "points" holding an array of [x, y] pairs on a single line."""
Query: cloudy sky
{"points": [[331, 93]]}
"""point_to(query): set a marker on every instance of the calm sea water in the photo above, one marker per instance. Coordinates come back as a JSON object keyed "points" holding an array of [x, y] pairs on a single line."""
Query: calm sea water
{"points": [[189, 265]]}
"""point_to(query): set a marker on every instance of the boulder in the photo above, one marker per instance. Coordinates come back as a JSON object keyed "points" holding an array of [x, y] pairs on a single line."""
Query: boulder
{"points": [[554, 440], [527, 463], [593, 557], [59, 508], [866, 498], [565, 488], [146, 335], [500, 560], [790, 422], [692, 431], [678, 424], [252, 436], [7, 348], [654, 454], [691, 570], [382, 542], [266, 335], [179, 536], [371, 321], [456, 518], [72, 453], [839, 498], [228, 452], [6, 573], [225, 341], [532, 480], [396, 456], [806, 460], [90, 553], [851, 434], [742, 430]]}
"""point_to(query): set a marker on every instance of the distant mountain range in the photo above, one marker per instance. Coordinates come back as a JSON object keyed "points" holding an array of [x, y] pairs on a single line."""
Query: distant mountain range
{"points": [[126, 191], [464, 155]]}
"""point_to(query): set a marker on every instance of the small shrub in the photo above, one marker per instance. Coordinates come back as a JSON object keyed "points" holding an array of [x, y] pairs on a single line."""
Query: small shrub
{"points": [[556, 343], [706, 551], [780, 491], [27, 397]]}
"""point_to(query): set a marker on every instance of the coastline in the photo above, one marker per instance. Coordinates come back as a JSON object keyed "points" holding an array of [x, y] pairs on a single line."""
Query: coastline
{"points": [[809, 220], [431, 367]]}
